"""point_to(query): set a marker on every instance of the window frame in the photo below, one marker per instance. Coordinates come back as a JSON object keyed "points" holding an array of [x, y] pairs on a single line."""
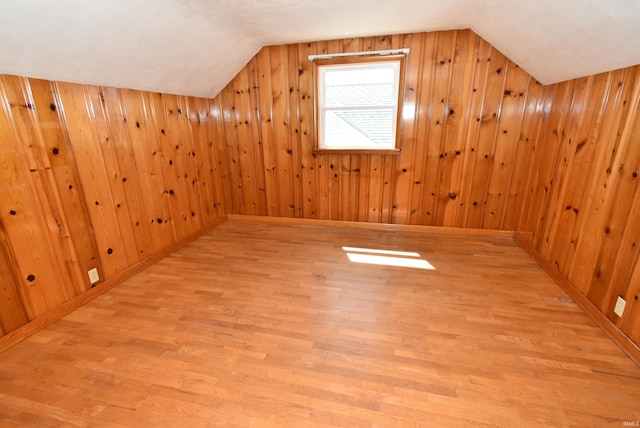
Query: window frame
{"points": [[318, 108]]}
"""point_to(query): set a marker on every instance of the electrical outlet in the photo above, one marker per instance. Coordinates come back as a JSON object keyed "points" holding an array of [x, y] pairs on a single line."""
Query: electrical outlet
{"points": [[620, 305], [93, 275]]}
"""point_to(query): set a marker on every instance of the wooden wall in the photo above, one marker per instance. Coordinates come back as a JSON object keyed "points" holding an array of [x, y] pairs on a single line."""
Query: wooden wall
{"points": [[467, 113], [588, 157], [95, 177], [484, 145]]}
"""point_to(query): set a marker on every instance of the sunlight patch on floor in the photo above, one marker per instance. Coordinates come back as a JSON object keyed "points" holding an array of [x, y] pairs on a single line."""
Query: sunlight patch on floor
{"points": [[385, 258]]}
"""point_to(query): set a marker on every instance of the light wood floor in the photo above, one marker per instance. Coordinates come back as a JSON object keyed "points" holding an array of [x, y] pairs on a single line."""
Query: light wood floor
{"points": [[259, 324]]}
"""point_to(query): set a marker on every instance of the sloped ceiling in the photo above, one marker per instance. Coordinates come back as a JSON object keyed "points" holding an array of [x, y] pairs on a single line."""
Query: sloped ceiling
{"points": [[195, 47]]}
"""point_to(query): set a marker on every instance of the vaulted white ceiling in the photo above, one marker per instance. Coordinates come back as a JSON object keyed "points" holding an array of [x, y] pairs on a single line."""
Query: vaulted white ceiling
{"points": [[195, 47]]}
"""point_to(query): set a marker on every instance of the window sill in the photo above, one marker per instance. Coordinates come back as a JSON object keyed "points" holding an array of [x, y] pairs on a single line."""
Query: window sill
{"points": [[356, 151]]}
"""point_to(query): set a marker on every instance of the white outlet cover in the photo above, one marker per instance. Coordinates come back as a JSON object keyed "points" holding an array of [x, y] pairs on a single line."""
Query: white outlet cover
{"points": [[620, 305], [93, 275]]}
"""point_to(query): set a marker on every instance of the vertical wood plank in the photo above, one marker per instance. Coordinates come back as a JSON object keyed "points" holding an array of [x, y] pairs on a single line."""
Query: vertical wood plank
{"points": [[79, 120], [197, 121], [293, 79], [193, 181], [246, 162], [282, 130], [524, 153], [28, 223], [619, 101], [457, 122], [468, 200], [12, 309], [308, 165], [65, 177], [227, 203], [437, 155], [333, 164], [124, 174], [487, 135], [508, 136], [269, 148], [410, 185], [257, 144], [630, 324], [110, 140], [165, 115], [602, 290], [545, 159], [148, 176]]}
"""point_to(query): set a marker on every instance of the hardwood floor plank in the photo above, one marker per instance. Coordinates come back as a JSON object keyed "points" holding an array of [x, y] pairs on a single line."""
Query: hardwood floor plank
{"points": [[270, 324]]}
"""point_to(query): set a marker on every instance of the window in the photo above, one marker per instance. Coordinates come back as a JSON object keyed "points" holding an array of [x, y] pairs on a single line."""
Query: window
{"points": [[358, 103]]}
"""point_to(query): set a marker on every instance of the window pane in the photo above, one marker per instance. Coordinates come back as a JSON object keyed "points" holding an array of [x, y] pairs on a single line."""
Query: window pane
{"points": [[359, 128], [361, 86]]}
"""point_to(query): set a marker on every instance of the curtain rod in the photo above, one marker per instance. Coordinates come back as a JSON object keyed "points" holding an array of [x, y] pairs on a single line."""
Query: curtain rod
{"points": [[404, 51]]}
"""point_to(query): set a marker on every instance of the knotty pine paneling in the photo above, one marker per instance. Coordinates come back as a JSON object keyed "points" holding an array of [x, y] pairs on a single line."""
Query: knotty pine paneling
{"points": [[12, 311], [586, 166], [484, 145], [94, 177], [464, 110], [34, 226]]}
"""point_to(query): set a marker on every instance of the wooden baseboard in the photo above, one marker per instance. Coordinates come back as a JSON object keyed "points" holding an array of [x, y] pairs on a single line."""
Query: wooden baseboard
{"points": [[44, 320], [621, 339], [374, 226]]}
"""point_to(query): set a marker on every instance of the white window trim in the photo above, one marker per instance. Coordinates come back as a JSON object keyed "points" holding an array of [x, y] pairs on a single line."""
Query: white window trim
{"points": [[322, 64], [395, 66]]}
